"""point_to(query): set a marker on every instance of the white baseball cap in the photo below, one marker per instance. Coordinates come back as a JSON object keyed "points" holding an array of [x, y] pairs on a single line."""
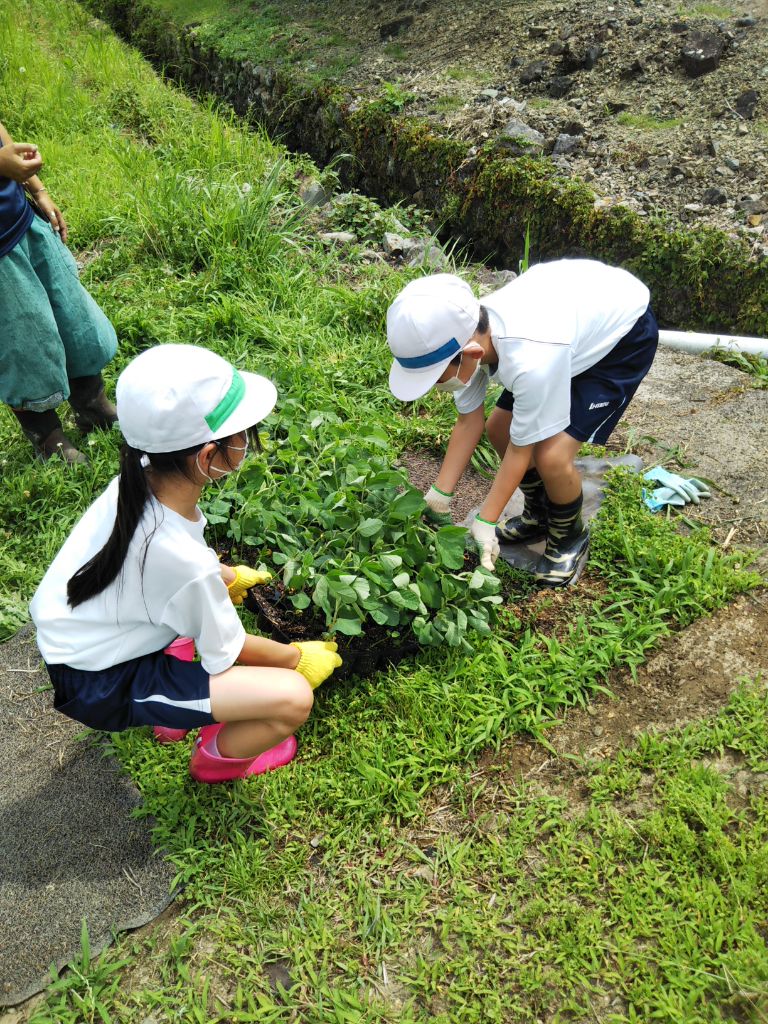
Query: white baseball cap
{"points": [[172, 397], [431, 320]]}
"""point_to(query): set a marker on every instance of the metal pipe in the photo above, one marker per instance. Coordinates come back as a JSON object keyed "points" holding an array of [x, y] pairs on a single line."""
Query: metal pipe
{"points": [[695, 343]]}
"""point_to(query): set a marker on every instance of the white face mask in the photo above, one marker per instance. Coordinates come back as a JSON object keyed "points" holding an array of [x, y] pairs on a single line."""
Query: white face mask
{"points": [[223, 472], [453, 386]]}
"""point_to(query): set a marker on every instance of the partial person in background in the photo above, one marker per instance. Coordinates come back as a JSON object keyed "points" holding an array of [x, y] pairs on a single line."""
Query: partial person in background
{"points": [[55, 340]]}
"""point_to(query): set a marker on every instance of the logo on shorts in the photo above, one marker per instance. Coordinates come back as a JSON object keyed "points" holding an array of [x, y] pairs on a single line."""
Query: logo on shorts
{"points": [[598, 405]]}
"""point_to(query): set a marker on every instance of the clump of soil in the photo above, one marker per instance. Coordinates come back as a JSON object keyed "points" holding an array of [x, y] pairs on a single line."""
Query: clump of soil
{"points": [[360, 656]]}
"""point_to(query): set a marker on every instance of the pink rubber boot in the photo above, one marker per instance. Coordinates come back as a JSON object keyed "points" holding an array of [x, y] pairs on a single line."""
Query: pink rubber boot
{"points": [[206, 767], [182, 648]]}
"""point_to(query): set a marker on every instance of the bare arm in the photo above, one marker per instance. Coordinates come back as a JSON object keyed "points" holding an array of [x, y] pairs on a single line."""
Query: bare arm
{"points": [[510, 473], [467, 431], [257, 650]]}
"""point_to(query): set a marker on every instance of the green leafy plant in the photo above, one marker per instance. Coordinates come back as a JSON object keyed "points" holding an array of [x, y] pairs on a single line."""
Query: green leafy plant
{"points": [[394, 97], [347, 531], [755, 366], [525, 262], [366, 219]]}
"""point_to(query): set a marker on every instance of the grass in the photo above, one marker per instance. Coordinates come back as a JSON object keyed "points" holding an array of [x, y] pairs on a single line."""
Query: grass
{"points": [[461, 73], [708, 11], [446, 103], [384, 876], [648, 123], [395, 50], [755, 366], [267, 32], [644, 898]]}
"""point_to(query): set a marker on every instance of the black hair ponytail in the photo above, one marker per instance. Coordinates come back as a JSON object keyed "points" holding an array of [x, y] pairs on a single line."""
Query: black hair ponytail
{"points": [[133, 494], [105, 566]]}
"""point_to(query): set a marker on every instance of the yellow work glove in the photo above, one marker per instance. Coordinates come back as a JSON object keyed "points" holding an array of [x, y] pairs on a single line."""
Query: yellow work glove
{"points": [[245, 578], [318, 659]]}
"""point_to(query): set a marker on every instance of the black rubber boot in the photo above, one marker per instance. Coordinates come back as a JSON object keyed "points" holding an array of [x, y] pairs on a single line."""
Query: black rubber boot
{"points": [[90, 404], [532, 523], [567, 543], [43, 429]]}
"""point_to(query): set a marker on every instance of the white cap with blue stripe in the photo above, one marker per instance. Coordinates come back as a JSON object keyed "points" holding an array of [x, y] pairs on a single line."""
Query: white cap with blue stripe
{"points": [[431, 320]]}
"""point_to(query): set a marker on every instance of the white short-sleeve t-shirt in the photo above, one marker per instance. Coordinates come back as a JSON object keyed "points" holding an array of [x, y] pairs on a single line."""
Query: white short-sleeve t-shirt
{"points": [[179, 592], [549, 325]]}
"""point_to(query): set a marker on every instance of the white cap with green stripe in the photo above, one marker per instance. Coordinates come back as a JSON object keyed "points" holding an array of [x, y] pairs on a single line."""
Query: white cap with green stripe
{"points": [[173, 397]]}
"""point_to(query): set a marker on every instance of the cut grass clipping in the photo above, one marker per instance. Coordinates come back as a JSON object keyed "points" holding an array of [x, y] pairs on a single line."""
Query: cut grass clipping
{"points": [[383, 876]]}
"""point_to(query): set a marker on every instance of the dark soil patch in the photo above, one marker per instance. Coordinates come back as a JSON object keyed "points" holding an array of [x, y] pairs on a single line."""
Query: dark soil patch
{"points": [[361, 656], [375, 648]]}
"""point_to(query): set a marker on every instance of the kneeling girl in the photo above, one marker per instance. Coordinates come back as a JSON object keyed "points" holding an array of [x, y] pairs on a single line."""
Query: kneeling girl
{"points": [[136, 573]]}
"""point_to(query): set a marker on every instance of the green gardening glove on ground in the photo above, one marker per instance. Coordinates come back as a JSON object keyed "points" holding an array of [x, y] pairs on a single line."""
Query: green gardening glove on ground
{"points": [[318, 660], [675, 490], [245, 578]]}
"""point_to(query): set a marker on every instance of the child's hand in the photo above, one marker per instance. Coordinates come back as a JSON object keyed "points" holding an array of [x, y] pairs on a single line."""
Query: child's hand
{"points": [[439, 501], [19, 161], [487, 542], [318, 659], [438, 505], [245, 578]]}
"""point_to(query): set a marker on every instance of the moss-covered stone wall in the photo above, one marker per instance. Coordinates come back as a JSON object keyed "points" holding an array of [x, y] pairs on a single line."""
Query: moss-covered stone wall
{"points": [[699, 279]]}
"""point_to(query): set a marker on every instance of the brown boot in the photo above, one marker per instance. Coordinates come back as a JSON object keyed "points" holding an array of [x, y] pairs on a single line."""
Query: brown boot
{"points": [[43, 429], [90, 404]]}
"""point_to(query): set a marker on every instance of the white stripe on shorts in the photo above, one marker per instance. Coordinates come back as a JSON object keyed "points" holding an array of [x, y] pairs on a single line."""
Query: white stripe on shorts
{"points": [[203, 704], [603, 422]]}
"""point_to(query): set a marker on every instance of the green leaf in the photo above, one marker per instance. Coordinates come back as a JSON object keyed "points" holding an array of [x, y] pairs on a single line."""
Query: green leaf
{"points": [[300, 601], [369, 527], [452, 634], [430, 594], [401, 580], [340, 591], [379, 615], [320, 594], [404, 599], [450, 542], [406, 505], [425, 632], [391, 562], [477, 580], [349, 627]]}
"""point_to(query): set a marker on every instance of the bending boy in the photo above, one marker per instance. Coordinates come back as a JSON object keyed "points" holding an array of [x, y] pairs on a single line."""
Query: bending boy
{"points": [[570, 341]]}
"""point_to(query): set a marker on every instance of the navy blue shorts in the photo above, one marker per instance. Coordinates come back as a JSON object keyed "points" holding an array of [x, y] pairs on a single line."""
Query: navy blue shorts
{"points": [[156, 689], [601, 394]]}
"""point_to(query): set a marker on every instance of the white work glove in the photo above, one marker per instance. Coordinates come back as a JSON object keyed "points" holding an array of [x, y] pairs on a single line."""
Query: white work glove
{"points": [[438, 504], [484, 534], [438, 500]]}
